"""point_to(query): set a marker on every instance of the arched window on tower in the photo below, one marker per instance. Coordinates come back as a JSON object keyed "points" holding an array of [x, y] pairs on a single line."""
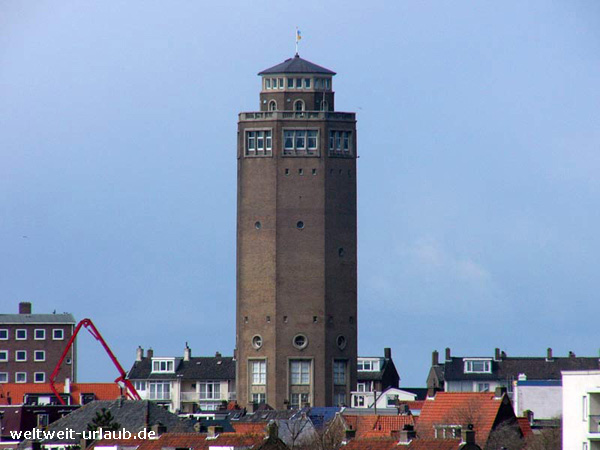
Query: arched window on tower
{"points": [[298, 105], [272, 105]]}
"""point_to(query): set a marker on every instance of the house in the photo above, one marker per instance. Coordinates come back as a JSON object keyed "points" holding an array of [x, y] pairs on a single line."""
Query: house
{"points": [[131, 415], [451, 414], [184, 384], [75, 394], [391, 398], [536, 380], [375, 374], [581, 410], [32, 344]]}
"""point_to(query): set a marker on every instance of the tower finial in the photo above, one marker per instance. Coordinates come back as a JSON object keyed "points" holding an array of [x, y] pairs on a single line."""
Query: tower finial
{"points": [[298, 37]]}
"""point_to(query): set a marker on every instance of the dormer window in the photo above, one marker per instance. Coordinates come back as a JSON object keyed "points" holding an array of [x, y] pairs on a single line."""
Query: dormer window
{"points": [[163, 365], [478, 365], [367, 365]]}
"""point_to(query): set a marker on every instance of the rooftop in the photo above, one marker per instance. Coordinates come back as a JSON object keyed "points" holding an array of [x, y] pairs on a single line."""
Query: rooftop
{"points": [[296, 65]]}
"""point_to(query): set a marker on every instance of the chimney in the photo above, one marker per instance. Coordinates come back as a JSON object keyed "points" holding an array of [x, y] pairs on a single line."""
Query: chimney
{"points": [[529, 414], [150, 353], [497, 356], [549, 355], [435, 358], [500, 391], [407, 434], [218, 355], [571, 354], [67, 388], [214, 430], [139, 353], [387, 353], [273, 430], [187, 352], [25, 308], [470, 435], [448, 355]]}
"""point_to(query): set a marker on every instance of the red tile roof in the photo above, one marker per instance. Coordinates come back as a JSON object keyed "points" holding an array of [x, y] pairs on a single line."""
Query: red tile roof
{"points": [[525, 426], [434, 444], [372, 444], [460, 408], [250, 427], [372, 426], [197, 441], [17, 391]]}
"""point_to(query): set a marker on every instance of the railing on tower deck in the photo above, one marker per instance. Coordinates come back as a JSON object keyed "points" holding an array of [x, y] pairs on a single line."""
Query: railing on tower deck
{"points": [[303, 115]]}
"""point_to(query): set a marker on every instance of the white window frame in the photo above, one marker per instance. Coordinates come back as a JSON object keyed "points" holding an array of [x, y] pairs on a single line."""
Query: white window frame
{"points": [[140, 385], [164, 393], [17, 355], [209, 390], [35, 375], [299, 102], [340, 142], [299, 139], [470, 362], [24, 338], [3, 355], [3, 334], [59, 331], [300, 372], [258, 371], [302, 398], [259, 397], [251, 142], [35, 355], [23, 375], [43, 333], [163, 365], [3, 377], [483, 387], [584, 408]]}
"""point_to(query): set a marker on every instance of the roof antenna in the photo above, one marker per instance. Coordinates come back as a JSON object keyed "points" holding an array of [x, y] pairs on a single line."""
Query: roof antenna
{"points": [[298, 37]]}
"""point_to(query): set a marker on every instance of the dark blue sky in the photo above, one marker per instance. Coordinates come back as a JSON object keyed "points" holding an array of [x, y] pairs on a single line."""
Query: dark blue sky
{"points": [[479, 143]]}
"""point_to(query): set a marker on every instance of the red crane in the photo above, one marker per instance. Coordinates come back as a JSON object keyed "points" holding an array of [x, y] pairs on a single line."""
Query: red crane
{"points": [[131, 393]]}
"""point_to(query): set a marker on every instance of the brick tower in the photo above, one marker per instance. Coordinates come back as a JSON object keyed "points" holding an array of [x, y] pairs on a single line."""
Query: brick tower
{"points": [[296, 338]]}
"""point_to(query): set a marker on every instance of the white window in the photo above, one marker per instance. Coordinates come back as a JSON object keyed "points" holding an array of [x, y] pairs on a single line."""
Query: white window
{"points": [[259, 143], [164, 365], [281, 83], [139, 385], [392, 400], [160, 390], [339, 142], [259, 398], [267, 83], [58, 334], [478, 366], [483, 387], [21, 355], [3, 355], [3, 377], [39, 335], [20, 334], [298, 83], [367, 365], [259, 372], [20, 377], [39, 377], [307, 83], [299, 372], [339, 372], [298, 400], [359, 401], [272, 105], [298, 105], [3, 335], [361, 387], [210, 390], [290, 83], [300, 142], [39, 355]]}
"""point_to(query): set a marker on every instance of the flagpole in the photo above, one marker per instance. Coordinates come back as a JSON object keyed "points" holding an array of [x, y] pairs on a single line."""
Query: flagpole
{"points": [[296, 41]]}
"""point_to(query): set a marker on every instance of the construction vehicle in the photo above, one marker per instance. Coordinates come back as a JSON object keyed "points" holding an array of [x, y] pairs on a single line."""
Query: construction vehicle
{"points": [[121, 380]]}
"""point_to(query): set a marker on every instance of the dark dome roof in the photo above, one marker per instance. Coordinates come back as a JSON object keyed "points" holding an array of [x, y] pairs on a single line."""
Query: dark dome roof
{"points": [[296, 65]]}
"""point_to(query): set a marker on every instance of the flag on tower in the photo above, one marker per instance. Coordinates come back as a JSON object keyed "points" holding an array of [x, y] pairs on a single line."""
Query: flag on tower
{"points": [[298, 35]]}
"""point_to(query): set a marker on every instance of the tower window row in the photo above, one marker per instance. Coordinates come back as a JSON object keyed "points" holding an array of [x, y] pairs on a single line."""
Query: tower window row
{"points": [[300, 141], [297, 143], [273, 83], [259, 143], [339, 142]]}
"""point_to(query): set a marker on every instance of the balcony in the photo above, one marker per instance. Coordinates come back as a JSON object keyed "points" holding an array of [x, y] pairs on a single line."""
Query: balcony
{"points": [[296, 115], [202, 397], [159, 396]]}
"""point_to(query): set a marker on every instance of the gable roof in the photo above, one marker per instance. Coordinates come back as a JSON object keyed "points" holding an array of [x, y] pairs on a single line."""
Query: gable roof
{"points": [[296, 65], [14, 393], [482, 409], [509, 368], [198, 441], [372, 444], [132, 415], [197, 368], [377, 426]]}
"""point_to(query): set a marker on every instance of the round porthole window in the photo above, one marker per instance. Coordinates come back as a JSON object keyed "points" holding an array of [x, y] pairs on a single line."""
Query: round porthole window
{"points": [[300, 225], [341, 342], [300, 341], [257, 341], [258, 225]]}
